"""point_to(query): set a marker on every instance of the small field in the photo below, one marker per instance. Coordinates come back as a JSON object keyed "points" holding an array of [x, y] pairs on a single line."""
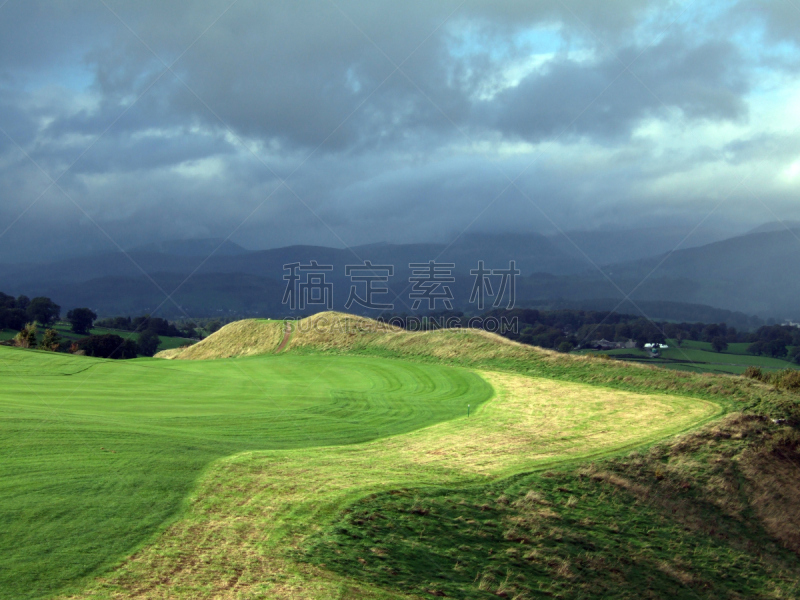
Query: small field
{"points": [[699, 357], [166, 343]]}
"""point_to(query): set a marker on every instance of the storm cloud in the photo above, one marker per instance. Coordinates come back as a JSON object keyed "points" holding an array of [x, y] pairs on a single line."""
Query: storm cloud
{"points": [[343, 123]]}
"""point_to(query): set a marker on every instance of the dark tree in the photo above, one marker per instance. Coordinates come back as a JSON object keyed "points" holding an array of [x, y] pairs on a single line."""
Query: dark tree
{"points": [[565, 347], [23, 302], [756, 348], [108, 346], [719, 344], [81, 320], [710, 332], [43, 311], [13, 318], [51, 341], [148, 342], [776, 348], [794, 355], [26, 338]]}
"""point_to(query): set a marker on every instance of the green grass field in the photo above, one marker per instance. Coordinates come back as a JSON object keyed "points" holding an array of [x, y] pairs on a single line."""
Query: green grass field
{"points": [[228, 478], [97, 455]]}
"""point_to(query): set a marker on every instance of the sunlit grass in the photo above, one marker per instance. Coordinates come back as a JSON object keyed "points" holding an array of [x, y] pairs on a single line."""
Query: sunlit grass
{"points": [[253, 510], [98, 455]]}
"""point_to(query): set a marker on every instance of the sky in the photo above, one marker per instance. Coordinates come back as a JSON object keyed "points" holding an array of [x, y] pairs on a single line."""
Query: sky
{"points": [[348, 122]]}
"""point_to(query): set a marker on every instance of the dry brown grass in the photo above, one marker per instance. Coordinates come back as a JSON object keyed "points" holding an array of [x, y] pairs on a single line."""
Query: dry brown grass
{"points": [[773, 485], [334, 331], [242, 338], [340, 331], [534, 420], [170, 354], [742, 464]]}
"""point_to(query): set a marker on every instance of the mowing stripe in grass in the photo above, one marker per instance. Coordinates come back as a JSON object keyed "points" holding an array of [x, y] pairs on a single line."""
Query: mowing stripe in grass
{"points": [[94, 462], [253, 510]]}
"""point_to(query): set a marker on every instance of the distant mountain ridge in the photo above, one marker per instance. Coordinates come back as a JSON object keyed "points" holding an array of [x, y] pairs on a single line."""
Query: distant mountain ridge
{"points": [[756, 273], [751, 274], [611, 247], [776, 226]]}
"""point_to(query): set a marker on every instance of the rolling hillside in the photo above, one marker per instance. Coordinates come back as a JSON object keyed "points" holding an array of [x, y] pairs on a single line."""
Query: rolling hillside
{"points": [[332, 457]]}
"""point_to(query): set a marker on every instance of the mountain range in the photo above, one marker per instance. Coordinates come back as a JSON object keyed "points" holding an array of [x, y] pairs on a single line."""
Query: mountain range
{"points": [[757, 273]]}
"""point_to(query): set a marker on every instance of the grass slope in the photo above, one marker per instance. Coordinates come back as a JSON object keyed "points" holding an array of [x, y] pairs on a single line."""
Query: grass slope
{"points": [[342, 334], [687, 519], [253, 511], [98, 455], [273, 491]]}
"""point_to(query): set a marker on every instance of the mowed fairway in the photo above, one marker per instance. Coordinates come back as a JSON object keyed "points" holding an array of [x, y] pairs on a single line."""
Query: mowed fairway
{"points": [[96, 456], [247, 530]]}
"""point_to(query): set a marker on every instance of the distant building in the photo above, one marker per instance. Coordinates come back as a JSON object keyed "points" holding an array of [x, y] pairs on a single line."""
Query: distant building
{"points": [[604, 344], [789, 323], [655, 349]]}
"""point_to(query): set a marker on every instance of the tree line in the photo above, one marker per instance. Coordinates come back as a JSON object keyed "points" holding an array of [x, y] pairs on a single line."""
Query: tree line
{"points": [[567, 329], [27, 316], [564, 329]]}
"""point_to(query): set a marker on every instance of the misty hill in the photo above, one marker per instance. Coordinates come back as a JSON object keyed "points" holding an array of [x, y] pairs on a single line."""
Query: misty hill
{"points": [[777, 226], [609, 247], [202, 295], [200, 247], [758, 273]]}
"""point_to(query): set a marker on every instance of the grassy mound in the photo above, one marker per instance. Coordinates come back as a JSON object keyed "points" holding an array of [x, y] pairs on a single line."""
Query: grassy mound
{"points": [[345, 333], [339, 333], [242, 338], [712, 514]]}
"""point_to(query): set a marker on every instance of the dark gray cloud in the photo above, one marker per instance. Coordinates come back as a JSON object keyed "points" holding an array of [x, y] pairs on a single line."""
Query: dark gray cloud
{"points": [[781, 19], [608, 98], [487, 93]]}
